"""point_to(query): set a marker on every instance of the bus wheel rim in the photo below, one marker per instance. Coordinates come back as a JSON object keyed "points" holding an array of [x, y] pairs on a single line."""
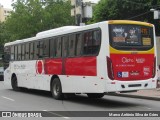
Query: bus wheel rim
{"points": [[56, 89]]}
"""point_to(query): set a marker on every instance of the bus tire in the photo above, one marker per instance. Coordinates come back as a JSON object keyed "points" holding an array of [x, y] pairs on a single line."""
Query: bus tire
{"points": [[56, 89], [14, 84], [95, 95]]}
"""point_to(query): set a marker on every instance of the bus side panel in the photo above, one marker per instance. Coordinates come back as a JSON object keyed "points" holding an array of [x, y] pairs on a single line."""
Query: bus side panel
{"points": [[84, 66], [80, 84], [53, 66]]}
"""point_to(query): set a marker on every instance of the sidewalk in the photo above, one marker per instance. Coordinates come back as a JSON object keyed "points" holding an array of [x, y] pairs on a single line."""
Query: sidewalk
{"points": [[143, 94]]}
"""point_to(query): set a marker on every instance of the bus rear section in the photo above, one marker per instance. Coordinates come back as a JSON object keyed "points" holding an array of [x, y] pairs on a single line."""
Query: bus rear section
{"points": [[132, 59]]}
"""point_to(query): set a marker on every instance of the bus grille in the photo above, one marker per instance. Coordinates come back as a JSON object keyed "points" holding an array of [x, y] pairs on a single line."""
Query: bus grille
{"points": [[135, 85]]}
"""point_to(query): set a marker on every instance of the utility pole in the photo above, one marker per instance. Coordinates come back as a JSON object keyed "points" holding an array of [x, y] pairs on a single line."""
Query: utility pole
{"points": [[156, 14], [81, 11]]}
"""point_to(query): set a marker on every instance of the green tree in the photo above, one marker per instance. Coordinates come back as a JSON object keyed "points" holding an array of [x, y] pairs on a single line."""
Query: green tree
{"points": [[122, 9], [25, 20], [126, 10], [57, 14], [4, 34], [32, 16]]}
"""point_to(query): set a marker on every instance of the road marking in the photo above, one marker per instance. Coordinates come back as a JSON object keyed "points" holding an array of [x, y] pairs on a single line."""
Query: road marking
{"points": [[143, 107], [7, 98], [56, 114], [147, 107]]}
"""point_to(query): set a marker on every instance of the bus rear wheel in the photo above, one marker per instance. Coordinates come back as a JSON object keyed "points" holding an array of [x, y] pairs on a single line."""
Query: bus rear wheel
{"points": [[14, 84], [95, 95], [56, 89]]}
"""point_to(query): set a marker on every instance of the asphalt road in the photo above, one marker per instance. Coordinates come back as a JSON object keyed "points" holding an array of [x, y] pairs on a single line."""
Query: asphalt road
{"points": [[34, 100]]}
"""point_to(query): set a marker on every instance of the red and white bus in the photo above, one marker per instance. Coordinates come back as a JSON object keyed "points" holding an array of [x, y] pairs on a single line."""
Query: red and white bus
{"points": [[109, 56]]}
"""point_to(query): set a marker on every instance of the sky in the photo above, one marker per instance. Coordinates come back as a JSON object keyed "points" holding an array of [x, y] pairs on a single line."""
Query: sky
{"points": [[7, 3]]}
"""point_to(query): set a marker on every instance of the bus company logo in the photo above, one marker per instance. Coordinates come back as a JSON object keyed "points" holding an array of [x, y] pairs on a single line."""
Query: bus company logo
{"points": [[6, 114], [127, 60], [140, 60], [39, 67], [134, 73]]}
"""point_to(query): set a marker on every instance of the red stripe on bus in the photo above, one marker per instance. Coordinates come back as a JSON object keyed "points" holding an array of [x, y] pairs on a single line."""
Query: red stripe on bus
{"points": [[85, 66]]}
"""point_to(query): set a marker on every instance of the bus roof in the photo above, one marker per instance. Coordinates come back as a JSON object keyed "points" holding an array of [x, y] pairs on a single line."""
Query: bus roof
{"points": [[70, 29], [53, 32], [56, 30]]}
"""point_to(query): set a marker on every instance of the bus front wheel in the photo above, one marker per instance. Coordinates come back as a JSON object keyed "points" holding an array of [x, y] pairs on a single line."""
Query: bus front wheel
{"points": [[14, 83], [95, 95], [57, 89]]}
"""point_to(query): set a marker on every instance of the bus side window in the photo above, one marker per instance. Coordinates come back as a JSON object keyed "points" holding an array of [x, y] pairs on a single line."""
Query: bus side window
{"points": [[78, 44], [23, 51], [46, 48], [36, 50], [41, 48], [52, 48], [65, 46], [72, 41], [27, 51], [59, 47], [31, 52], [92, 41], [87, 43], [15, 52], [19, 52], [96, 41], [12, 53]]}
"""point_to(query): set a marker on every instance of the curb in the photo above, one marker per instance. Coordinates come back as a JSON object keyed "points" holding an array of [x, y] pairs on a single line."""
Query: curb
{"points": [[134, 96]]}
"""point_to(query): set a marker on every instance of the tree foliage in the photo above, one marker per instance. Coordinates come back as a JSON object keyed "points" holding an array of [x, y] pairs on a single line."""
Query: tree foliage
{"points": [[121, 9], [32, 16], [4, 36], [125, 10]]}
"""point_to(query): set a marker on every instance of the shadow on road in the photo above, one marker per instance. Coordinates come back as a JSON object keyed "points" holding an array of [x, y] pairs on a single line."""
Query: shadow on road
{"points": [[34, 92], [105, 102]]}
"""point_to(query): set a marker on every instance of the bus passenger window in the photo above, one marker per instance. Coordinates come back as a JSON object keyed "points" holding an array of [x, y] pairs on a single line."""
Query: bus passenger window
{"points": [[23, 51], [87, 45], [36, 50], [72, 44], [78, 44], [58, 51], [31, 52], [52, 47], [41, 48], [46, 48], [65, 46], [92, 42], [19, 52], [96, 41], [27, 51], [15, 52], [12, 52]]}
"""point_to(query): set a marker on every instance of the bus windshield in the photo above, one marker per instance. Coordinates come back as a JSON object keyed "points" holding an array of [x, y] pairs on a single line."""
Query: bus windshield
{"points": [[131, 37]]}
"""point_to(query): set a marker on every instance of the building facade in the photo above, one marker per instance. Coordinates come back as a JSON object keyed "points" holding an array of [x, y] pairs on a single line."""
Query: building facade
{"points": [[4, 13]]}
